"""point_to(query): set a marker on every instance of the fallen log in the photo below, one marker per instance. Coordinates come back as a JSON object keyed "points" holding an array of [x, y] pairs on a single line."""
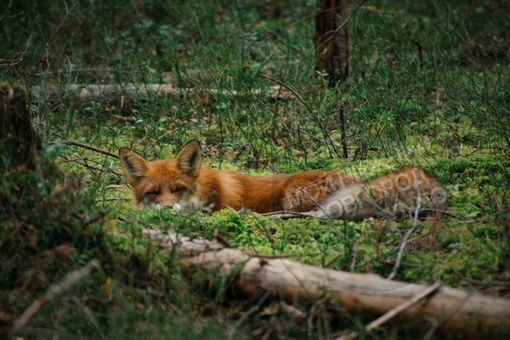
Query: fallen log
{"points": [[144, 91], [455, 313]]}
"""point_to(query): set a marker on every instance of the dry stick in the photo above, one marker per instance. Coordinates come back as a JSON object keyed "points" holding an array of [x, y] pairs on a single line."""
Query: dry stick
{"points": [[400, 252], [312, 312], [319, 206], [221, 239], [437, 323], [53, 292], [83, 161], [90, 147], [291, 89], [5, 11], [142, 90], [264, 229], [85, 146], [292, 214], [396, 311], [405, 306], [409, 232], [99, 216], [354, 257], [331, 261], [251, 311]]}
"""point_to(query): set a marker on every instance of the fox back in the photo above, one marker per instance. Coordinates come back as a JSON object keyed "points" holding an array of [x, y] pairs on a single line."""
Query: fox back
{"points": [[183, 183]]}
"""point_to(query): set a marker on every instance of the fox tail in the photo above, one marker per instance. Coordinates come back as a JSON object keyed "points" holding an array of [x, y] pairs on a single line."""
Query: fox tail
{"points": [[410, 191]]}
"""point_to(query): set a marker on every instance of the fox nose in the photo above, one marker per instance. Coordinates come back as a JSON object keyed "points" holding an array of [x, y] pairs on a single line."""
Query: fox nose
{"points": [[167, 198]]}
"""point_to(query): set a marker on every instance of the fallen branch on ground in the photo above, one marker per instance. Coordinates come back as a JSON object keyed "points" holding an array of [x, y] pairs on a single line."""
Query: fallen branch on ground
{"points": [[395, 311], [52, 293], [289, 214], [457, 313], [87, 91]]}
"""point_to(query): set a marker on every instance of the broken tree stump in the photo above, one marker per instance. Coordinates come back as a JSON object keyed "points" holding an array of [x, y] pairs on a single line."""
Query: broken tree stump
{"points": [[18, 140]]}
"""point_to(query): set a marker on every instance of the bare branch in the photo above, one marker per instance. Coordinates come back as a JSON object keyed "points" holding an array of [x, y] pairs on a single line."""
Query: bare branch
{"points": [[453, 311], [62, 287], [85, 146], [409, 232], [391, 314]]}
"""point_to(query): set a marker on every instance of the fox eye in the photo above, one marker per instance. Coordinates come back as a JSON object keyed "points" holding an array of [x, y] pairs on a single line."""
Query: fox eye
{"points": [[178, 190], [152, 195]]}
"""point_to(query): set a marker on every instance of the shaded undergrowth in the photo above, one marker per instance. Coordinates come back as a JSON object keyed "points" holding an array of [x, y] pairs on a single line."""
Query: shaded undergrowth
{"points": [[429, 87]]}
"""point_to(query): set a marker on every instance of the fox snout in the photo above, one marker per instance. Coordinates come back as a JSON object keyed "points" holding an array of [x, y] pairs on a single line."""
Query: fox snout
{"points": [[164, 197]]}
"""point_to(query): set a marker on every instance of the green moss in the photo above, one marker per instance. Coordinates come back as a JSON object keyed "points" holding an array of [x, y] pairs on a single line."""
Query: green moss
{"points": [[426, 88]]}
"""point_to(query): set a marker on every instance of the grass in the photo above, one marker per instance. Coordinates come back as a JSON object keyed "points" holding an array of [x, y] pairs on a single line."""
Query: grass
{"points": [[428, 86]]}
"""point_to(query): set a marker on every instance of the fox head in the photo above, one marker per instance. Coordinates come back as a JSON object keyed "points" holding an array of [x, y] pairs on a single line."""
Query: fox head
{"points": [[168, 182]]}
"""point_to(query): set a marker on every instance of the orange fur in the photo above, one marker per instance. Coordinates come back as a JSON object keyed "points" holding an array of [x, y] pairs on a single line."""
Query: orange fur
{"points": [[183, 182]]}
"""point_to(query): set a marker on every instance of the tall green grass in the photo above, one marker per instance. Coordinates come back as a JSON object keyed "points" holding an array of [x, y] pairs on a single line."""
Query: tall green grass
{"points": [[429, 86]]}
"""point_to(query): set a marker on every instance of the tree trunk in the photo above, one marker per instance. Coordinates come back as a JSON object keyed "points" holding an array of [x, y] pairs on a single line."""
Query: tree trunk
{"points": [[332, 41], [19, 143], [333, 52], [455, 313]]}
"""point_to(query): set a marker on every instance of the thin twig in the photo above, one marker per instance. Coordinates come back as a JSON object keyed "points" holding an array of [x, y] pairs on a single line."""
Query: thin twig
{"points": [[319, 206], [98, 217], [84, 161], [291, 89], [16, 61], [453, 310], [5, 10], [85, 146], [395, 311], [352, 267], [265, 230], [409, 232], [331, 261], [403, 307], [256, 307], [324, 299], [292, 214], [400, 253], [317, 121], [53, 292], [218, 237], [271, 257]]}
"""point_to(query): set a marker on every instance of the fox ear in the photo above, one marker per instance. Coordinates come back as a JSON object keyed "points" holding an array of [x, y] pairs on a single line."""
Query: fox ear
{"points": [[134, 165], [189, 159]]}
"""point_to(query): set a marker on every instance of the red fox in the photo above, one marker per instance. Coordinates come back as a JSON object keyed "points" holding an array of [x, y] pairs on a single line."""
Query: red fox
{"points": [[182, 182]]}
